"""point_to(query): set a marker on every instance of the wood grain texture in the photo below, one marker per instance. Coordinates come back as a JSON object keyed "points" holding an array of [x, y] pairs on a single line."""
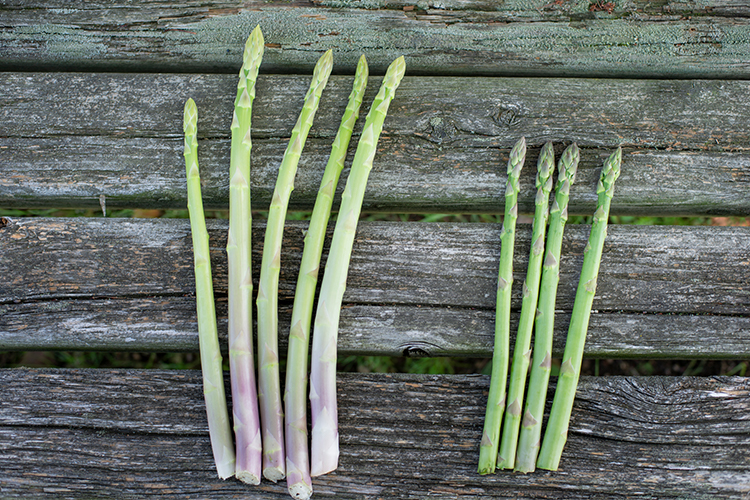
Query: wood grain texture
{"points": [[209, 36], [414, 289], [138, 434], [444, 148]]}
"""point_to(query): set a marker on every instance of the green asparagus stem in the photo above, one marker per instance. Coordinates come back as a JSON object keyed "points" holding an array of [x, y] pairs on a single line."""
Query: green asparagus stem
{"points": [[213, 375], [325, 439], [269, 384], [298, 479], [496, 400], [522, 352], [562, 405], [531, 425], [240, 289]]}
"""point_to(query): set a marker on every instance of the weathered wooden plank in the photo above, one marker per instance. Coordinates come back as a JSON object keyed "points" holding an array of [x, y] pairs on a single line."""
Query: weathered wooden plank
{"points": [[127, 284], [167, 324], [521, 10], [444, 148], [210, 38], [100, 433]]}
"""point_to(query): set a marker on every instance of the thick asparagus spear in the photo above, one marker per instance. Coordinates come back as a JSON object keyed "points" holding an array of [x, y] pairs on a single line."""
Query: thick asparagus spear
{"points": [[496, 399], [269, 384], [241, 361], [521, 352], [213, 375], [531, 424], [295, 397], [562, 405], [325, 438]]}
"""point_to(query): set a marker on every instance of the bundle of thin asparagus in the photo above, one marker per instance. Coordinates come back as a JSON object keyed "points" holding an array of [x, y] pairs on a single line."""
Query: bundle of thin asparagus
{"points": [[263, 444], [519, 443]]}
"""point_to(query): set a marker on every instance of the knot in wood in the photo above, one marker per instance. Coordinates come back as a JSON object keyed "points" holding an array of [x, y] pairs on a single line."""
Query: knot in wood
{"points": [[415, 351], [507, 117], [441, 129]]}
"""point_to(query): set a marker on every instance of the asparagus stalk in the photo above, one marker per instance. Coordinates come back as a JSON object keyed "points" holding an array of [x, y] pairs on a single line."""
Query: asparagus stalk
{"points": [[325, 439], [562, 404], [522, 352], [496, 399], [213, 375], [269, 384], [298, 479], [541, 365], [241, 361]]}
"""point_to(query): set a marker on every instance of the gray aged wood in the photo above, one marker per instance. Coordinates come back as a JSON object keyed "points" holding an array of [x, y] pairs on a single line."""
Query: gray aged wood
{"points": [[414, 288], [208, 36], [444, 149], [128, 434]]}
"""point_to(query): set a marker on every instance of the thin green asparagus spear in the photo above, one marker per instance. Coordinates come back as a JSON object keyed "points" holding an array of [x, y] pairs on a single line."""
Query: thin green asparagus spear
{"points": [[269, 384], [295, 397], [531, 425], [213, 375], [324, 449], [522, 352], [562, 405], [496, 399], [241, 361]]}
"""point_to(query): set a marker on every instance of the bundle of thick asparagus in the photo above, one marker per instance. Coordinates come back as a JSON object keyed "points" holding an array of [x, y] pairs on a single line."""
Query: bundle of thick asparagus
{"points": [[268, 440], [519, 444]]}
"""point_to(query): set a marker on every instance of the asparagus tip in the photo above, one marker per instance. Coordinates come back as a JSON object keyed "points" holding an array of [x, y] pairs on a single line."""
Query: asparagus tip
{"points": [[190, 119], [396, 70], [323, 66], [253, 50]]}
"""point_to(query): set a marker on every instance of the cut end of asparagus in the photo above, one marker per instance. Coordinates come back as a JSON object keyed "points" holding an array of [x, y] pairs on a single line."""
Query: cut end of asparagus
{"points": [[190, 118], [273, 474], [248, 477], [300, 491], [325, 445]]}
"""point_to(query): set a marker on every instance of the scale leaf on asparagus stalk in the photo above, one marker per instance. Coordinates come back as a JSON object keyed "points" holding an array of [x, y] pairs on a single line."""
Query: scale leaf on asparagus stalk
{"points": [[521, 352], [493, 419], [541, 364], [562, 405], [324, 452], [213, 376], [269, 384], [295, 396], [240, 288]]}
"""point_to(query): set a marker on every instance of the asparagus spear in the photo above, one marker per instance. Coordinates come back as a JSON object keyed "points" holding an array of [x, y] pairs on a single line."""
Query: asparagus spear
{"points": [[562, 405], [295, 400], [496, 399], [241, 362], [213, 375], [531, 425], [269, 384], [521, 352], [325, 439]]}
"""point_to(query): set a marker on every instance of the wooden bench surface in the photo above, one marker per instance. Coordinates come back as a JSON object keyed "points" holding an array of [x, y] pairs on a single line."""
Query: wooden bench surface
{"points": [[91, 108]]}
